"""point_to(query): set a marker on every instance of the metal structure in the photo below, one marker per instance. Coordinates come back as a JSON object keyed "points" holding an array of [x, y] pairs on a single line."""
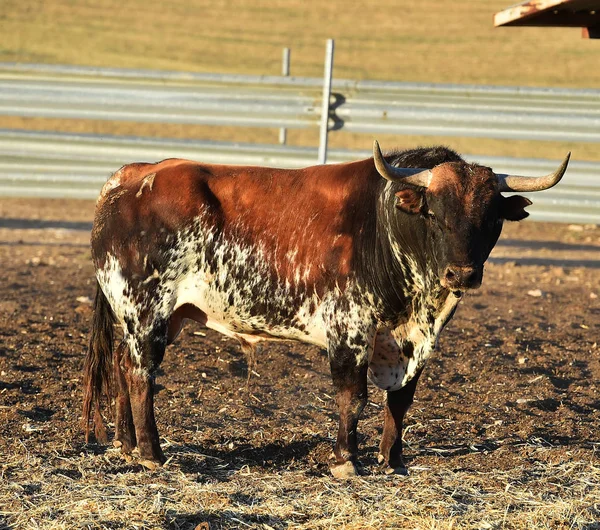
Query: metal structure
{"points": [[558, 13], [70, 165], [295, 102], [285, 72], [325, 103], [53, 164]]}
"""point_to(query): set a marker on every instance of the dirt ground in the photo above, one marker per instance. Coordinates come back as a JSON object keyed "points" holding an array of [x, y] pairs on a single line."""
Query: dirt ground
{"points": [[504, 431]]}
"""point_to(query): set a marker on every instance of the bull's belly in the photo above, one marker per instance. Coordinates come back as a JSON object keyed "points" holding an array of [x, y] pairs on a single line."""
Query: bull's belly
{"points": [[242, 316]]}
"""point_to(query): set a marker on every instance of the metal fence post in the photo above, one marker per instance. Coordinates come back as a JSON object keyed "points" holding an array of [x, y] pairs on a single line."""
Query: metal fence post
{"points": [[325, 107], [285, 71]]}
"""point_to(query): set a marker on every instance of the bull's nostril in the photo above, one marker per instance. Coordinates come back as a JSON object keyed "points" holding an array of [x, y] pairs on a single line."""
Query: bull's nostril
{"points": [[473, 278], [461, 277]]}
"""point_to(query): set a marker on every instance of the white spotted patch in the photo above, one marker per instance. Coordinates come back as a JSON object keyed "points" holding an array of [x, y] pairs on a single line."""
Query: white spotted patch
{"points": [[386, 361], [120, 296], [234, 285]]}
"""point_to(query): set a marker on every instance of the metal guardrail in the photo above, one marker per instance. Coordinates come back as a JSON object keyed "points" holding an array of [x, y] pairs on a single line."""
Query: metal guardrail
{"points": [[293, 102], [206, 103], [38, 164], [73, 165]]}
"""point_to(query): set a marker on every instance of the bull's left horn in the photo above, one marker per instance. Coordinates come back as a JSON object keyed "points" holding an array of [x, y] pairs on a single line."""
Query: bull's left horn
{"points": [[517, 183], [415, 176]]}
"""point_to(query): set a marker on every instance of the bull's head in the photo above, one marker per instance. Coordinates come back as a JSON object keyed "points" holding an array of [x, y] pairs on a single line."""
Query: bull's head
{"points": [[463, 209]]}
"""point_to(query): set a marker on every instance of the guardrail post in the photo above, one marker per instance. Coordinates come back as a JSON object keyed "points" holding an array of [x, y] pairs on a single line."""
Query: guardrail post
{"points": [[325, 107], [285, 71]]}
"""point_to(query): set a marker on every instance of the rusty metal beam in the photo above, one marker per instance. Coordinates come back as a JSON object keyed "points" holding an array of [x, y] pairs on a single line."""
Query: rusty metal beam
{"points": [[565, 19], [557, 13], [518, 14]]}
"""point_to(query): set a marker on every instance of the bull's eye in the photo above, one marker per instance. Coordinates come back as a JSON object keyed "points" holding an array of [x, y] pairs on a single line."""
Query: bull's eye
{"points": [[430, 214]]}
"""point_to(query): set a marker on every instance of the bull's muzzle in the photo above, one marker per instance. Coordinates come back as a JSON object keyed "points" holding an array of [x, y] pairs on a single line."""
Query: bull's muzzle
{"points": [[460, 278]]}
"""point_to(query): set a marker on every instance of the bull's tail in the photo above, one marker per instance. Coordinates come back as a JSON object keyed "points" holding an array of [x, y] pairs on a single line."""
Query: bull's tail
{"points": [[97, 370]]}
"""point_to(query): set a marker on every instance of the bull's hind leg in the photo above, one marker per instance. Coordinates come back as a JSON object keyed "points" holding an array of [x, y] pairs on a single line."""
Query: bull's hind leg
{"points": [[147, 352], [124, 428], [396, 405], [349, 374]]}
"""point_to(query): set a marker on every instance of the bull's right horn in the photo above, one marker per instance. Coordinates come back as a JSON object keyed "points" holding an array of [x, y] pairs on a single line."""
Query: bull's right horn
{"points": [[415, 176], [517, 183]]}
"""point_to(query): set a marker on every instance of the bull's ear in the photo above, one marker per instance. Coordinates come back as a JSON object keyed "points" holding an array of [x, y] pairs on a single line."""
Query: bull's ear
{"points": [[410, 200], [513, 208]]}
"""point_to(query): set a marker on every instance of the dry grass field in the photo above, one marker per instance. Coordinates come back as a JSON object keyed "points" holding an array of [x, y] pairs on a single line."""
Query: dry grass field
{"points": [[504, 430], [424, 40]]}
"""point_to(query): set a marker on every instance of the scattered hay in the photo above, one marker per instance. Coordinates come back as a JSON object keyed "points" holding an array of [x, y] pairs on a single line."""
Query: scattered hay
{"points": [[101, 492]]}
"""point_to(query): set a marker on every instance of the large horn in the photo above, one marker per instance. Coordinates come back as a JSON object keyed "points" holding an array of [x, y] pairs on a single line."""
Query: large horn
{"points": [[414, 176], [516, 183]]}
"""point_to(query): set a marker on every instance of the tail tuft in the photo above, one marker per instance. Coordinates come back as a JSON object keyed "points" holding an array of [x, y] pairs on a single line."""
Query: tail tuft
{"points": [[97, 370]]}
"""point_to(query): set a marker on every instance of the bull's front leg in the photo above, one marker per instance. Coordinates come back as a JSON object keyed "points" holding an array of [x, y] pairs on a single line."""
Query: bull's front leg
{"points": [[349, 373], [396, 405]]}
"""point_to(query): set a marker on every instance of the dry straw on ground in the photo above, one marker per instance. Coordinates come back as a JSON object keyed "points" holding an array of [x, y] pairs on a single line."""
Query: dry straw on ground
{"points": [[101, 492]]}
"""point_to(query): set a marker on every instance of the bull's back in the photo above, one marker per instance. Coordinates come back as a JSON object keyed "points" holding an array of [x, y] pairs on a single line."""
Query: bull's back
{"points": [[173, 192], [299, 218]]}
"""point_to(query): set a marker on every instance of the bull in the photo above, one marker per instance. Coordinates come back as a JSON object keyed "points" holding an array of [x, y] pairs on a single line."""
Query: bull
{"points": [[367, 260]]}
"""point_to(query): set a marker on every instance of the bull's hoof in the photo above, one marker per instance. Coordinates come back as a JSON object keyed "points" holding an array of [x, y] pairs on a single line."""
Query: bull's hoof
{"points": [[398, 469], [344, 471], [150, 464], [150, 457], [126, 449]]}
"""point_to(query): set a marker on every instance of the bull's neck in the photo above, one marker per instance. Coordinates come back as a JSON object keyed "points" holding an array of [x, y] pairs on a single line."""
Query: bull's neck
{"points": [[403, 276]]}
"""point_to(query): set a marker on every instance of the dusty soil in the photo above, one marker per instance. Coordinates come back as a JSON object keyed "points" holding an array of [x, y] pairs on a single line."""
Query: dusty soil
{"points": [[514, 386]]}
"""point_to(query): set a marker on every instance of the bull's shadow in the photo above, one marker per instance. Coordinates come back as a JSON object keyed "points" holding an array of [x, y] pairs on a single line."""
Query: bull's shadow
{"points": [[219, 464], [44, 224], [547, 245], [547, 262], [541, 437], [226, 519], [26, 386]]}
